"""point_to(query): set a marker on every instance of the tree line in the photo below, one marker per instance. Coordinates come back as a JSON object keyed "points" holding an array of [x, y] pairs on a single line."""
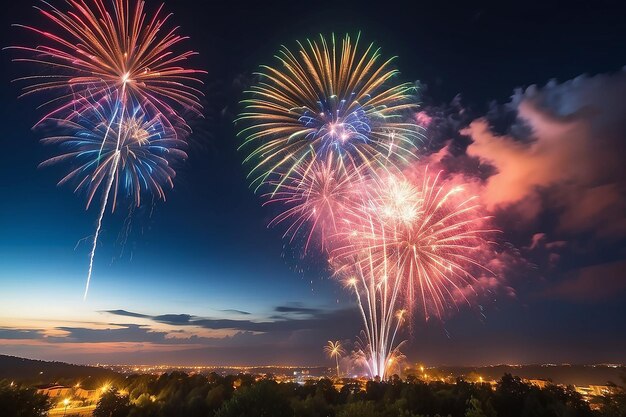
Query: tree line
{"points": [[180, 395]]}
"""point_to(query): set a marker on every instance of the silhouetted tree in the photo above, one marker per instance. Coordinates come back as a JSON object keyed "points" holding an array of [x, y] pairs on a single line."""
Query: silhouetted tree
{"points": [[22, 402], [614, 404], [112, 404], [476, 409], [178, 394], [359, 409], [262, 399]]}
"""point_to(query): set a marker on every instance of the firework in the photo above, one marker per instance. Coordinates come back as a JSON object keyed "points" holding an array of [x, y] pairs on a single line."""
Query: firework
{"points": [[95, 49], [329, 134], [119, 150], [335, 350], [315, 198], [114, 142], [427, 232], [119, 92], [412, 243], [378, 303], [328, 99]]}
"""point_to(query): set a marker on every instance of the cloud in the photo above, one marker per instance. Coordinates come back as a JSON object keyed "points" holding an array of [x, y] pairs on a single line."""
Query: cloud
{"points": [[592, 284], [7, 333], [563, 154], [316, 320], [296, 336], [173, 318], [297, 309], [540, 241], [230, 310], [125, 313], [548, 166], [295, 317]]}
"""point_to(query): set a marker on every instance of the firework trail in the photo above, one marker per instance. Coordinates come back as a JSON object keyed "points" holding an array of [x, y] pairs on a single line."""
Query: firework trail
{"points": [[117, 150], [102, 55], [412, 243], [377, 300], [328, 99]]}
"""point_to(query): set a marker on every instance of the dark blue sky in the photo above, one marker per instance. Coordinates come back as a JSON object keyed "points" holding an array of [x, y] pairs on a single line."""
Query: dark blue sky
{"points": [[207, 250]]}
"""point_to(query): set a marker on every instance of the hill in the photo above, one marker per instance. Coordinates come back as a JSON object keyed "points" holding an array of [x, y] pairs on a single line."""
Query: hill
{"points": [[35, 372], [559, 374]]}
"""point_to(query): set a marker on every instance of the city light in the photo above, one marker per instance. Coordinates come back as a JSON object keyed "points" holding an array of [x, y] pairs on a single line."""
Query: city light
{"points": [[66, 403]]}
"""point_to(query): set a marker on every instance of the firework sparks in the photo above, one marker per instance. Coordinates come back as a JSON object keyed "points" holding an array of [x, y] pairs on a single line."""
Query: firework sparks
{"points": [[377, 295], [120, 90], [327, 99], [328, 134], [427, 232], [118, 150], [410, 244], [96, 49], [315, 198], [117, 144], [335, 350]]}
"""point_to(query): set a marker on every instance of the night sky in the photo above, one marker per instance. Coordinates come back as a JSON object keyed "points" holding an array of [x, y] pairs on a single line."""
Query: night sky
{"points": [[527, 101]]}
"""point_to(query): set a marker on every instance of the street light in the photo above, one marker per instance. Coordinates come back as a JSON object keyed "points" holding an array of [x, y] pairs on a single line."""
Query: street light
{"points": [[66, 402]]}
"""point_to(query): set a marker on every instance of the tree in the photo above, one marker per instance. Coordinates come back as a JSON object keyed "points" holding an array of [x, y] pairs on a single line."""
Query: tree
{"points": [[476, 409], [16, 401], [112, 404], [614, 404], [358, 409], [262, 399]]}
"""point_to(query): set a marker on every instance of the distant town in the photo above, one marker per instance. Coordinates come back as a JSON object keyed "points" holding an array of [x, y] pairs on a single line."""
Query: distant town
{"points": [[77, 390]]}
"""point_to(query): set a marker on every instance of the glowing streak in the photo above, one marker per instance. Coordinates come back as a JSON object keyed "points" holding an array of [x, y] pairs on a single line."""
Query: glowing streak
{"points": [[99, 226]]}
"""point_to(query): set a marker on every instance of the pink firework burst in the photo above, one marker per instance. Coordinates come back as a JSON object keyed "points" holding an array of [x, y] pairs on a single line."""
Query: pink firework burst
{"points": [[426, 235], [317, 198], [93, 49]]}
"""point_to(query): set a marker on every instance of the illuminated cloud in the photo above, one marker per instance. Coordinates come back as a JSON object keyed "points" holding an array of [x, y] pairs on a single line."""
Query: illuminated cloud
{"points": [[549, 166], [565, 153]]}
